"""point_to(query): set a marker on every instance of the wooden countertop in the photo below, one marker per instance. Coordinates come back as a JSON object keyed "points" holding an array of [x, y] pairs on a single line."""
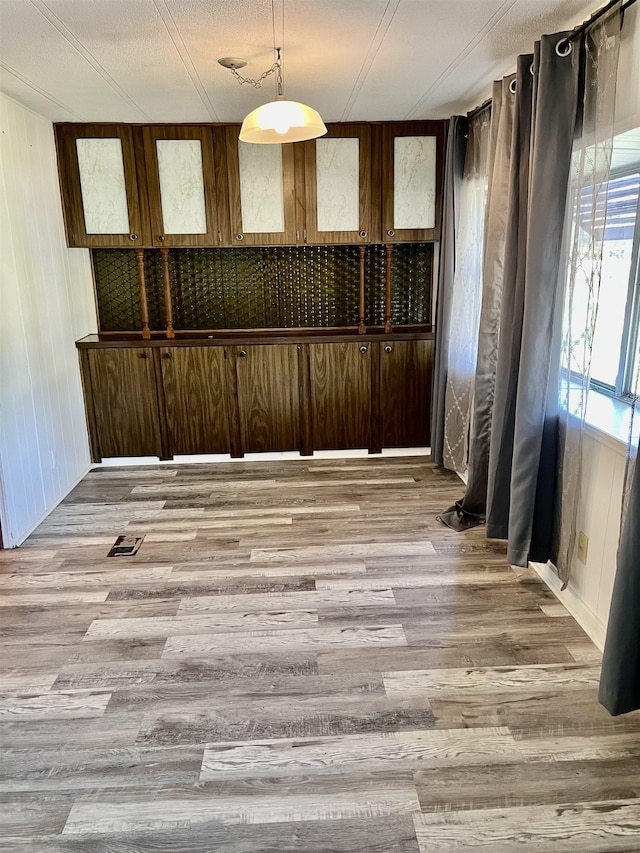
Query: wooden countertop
{"points": [[257, 336]]}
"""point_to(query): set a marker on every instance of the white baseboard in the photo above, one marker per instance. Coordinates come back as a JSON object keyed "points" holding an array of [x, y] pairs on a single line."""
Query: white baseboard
{"points": [[583, 615], [128, 461]]}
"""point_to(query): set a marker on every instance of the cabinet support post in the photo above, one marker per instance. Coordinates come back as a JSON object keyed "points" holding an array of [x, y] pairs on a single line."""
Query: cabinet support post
{"points": [[144, 309], [387, 292], [167, 293], [361, 327]]}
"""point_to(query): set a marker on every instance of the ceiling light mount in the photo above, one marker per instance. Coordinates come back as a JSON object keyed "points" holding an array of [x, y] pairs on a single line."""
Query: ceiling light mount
{"points": [[232, 62], [280, 120]]}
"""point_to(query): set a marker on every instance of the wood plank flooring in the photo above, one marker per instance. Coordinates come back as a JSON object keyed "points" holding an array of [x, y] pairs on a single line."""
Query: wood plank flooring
{"points": [[298, 659]]}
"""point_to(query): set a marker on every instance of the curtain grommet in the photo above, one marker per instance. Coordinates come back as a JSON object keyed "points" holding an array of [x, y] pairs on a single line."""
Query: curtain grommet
{"points": [[564, 47], [513, 86], [532, 69]]}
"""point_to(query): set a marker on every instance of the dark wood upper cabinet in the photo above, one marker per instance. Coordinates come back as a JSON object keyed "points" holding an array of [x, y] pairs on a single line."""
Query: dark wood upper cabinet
{"points": [[412, 166], [195, 394], [338, 185], [406, 369], [98, 179], [261, 185], [268, 383], [340, 395], [198, 185], [125, 415], [180, 177]]}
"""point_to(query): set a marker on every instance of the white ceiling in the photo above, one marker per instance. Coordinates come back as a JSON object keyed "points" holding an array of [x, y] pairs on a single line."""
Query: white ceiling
{"points": [[156, 60]]}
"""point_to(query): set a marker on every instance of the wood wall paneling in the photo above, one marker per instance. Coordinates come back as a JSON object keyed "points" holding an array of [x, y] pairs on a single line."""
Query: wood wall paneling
{"points": [[341, 395], [406, 369], [268, 397], [126, 408], [194, 383]]}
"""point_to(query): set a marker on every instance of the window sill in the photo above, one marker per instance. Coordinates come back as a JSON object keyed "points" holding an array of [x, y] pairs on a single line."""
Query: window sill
{"points": [[608, 420]]}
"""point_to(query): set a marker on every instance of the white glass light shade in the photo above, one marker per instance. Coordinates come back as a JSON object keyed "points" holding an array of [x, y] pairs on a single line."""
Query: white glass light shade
{"points": [[282, 121]]}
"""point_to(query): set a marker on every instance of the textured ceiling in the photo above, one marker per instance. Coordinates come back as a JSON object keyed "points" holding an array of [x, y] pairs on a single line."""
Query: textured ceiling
{"points": [[156, 60]]}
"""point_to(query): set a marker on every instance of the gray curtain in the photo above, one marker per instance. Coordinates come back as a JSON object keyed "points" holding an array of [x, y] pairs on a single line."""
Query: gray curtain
{"points": [[466, 295], [534, 461], [454, 165], [513, 461], [512, 308], [470, 510], [620, 677]]}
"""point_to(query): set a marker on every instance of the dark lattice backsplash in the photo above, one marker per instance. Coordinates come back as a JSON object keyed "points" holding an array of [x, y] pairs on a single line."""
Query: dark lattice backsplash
{"points": [[263, 288]]}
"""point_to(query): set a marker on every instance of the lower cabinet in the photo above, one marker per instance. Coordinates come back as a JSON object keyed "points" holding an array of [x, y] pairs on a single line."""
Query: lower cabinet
{"points": [[180, 399], [406, 369], [340, 395], [123, 410], [195, 393], [268, 397]]}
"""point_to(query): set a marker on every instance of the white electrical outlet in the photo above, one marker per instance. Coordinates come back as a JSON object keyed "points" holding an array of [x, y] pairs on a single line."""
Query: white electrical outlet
{"points": [[583, 547]]}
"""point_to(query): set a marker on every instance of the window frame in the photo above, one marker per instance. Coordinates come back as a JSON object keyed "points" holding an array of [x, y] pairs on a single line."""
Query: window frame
{"points": [[623, 389]]}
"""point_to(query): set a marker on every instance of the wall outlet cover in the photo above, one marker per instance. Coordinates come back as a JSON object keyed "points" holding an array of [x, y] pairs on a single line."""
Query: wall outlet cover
{"points": [[583, 547]]}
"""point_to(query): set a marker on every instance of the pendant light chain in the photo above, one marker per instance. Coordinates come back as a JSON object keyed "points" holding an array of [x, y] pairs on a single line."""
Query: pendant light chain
{"points": [[257, 81]]}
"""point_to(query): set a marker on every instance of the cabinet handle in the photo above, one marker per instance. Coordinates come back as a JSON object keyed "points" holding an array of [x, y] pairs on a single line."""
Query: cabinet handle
{"points": [[161, 237], [143, 355], [391, 233], [133, 236], [362, 234], [166, 355], [388, 348], [363, 349], [239, 236], [242, 353]]}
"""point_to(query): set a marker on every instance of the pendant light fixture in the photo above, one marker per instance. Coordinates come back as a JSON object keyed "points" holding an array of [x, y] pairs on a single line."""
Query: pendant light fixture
{"points": [[279, 120]]}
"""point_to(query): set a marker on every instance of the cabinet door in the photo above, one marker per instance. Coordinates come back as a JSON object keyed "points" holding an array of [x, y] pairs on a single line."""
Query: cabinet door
{"points": [[412, 158], [125, 402], [268, 397], [406, 369], [261, 192], [181, 185], [196, 399], [338, 185], [99, 186], [340, 395]]}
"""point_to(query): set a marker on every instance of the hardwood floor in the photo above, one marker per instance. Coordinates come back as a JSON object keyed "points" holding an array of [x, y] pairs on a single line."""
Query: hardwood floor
{"points": [[299, 659]]}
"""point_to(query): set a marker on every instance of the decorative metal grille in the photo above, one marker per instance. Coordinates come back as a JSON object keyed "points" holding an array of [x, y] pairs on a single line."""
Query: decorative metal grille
{"points": [[411, 265], [263, 288], [374, 282], [118, 290]]}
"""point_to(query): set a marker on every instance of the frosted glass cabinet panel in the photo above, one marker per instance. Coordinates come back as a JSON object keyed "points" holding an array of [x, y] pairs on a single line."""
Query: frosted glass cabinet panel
{"points": [[181, 186], [412, 167], [261, 192], [338, 186], [180, 176], [104, 195], [99, 185], [414, 182]]}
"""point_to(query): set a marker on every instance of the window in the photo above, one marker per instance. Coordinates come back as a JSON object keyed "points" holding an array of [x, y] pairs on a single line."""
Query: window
{"points": [[614, 359], [614, 355]]}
